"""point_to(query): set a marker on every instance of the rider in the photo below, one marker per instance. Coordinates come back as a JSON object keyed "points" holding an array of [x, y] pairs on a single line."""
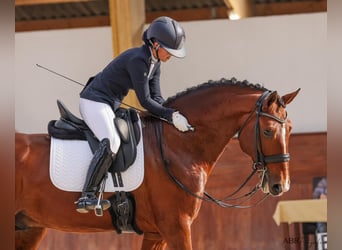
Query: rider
{"points": [[138, 69]]}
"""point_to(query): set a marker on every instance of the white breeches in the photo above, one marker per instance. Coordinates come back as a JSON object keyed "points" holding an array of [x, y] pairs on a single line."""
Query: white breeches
{"points": [[100, 119]]}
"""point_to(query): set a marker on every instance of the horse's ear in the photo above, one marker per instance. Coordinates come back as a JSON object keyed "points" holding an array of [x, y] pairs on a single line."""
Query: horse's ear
{"points": [[271, 98], [289, 97]]}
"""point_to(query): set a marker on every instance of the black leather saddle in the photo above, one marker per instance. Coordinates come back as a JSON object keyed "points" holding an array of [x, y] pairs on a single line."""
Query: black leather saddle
{"points": [[70, 127]]}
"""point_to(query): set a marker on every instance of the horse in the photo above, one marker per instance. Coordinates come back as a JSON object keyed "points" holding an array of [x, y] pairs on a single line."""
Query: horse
{"points": [[219, 111]]}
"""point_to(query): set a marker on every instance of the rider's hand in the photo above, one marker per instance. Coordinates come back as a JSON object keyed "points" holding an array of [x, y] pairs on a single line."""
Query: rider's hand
{"points": [[180, 122]]}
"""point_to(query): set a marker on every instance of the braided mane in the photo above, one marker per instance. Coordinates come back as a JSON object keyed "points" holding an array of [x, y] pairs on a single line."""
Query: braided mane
{"points": [[233, 82]]}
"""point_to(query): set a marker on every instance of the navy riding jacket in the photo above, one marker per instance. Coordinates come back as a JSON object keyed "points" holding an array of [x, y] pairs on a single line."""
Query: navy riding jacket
{"points": [[132, 69]]}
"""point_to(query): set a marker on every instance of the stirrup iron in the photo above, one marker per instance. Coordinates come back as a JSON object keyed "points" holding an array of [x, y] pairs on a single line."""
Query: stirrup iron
{"points": [[98, 208]]}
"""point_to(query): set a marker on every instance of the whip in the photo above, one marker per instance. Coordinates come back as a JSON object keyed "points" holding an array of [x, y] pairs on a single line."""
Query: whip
{"points": [[72, 80]]}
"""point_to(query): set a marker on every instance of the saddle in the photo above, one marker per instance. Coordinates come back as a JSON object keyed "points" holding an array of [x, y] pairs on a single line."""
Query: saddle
{"points": [[70, 127]]}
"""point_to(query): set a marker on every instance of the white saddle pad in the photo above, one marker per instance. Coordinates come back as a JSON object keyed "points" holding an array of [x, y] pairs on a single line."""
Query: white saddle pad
{"points": [[70, 159]]}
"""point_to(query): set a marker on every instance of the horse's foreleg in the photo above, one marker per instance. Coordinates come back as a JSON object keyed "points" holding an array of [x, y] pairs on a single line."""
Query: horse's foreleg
{"points": [[177, 235], [29, 238], [153, 241]]}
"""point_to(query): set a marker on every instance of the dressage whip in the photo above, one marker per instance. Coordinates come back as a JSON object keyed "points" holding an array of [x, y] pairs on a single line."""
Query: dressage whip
{"points": [[70, 79], [130, 106], [54, 72]]}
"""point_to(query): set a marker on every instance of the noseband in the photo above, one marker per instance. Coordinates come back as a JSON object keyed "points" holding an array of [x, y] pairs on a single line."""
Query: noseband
{"points": [[259, 164]]}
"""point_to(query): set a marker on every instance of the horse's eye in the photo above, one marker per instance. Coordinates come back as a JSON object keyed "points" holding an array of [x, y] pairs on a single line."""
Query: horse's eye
{"points": [[268, 133]]}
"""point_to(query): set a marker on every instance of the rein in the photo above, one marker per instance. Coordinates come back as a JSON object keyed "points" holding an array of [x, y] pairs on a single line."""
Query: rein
{"points": [[206, 196], [259, 166]]}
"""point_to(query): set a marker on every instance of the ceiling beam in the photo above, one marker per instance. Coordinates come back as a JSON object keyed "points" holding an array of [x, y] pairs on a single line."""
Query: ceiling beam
{"points": [[190, 14], [246, 8], [243, 8], [84, 22], [34, 2], [264, 9], [65, 23]]}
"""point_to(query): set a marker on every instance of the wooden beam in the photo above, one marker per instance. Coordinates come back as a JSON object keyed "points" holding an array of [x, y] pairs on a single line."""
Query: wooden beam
{"points": [[138, 16], [33, 2], [127, 19], [190, 14], [65, 23], [265, 9], [119, 13], [240, 7]]}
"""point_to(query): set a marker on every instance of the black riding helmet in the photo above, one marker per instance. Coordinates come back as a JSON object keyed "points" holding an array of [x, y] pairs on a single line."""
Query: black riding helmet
{"points": [[169, 34]]}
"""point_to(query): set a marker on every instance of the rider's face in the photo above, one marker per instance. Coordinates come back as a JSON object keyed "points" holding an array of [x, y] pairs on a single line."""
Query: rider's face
{"points": [[164, 56]]}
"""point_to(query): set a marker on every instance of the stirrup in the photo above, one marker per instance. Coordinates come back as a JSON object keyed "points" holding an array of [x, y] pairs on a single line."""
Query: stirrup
{"points": [[98, 209], [85, 204]]}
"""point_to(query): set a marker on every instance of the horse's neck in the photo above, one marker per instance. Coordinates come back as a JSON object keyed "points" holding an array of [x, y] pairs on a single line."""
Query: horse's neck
{"points": [[216, 116]]}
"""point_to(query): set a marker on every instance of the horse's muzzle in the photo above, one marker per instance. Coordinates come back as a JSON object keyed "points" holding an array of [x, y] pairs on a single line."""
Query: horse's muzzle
{"points": [[276, 188]]}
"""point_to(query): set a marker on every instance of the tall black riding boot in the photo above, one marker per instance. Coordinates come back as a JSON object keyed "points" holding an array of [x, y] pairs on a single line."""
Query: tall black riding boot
{"points": [[102, 160]]}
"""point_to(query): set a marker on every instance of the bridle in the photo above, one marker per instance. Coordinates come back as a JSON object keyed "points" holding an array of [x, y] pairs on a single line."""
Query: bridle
{"points": [[259, 165], [260, 158]]}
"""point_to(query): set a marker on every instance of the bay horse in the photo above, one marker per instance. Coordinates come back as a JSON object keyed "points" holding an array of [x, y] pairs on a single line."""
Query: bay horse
{"points": [[218, 110]]}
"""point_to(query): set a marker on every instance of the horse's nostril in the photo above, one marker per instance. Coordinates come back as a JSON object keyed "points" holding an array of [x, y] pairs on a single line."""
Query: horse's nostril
{"points": [[276, 189]]}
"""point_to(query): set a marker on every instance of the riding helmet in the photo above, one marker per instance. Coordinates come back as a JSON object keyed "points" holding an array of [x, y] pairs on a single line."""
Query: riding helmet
{"points": [[169, 34]]}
